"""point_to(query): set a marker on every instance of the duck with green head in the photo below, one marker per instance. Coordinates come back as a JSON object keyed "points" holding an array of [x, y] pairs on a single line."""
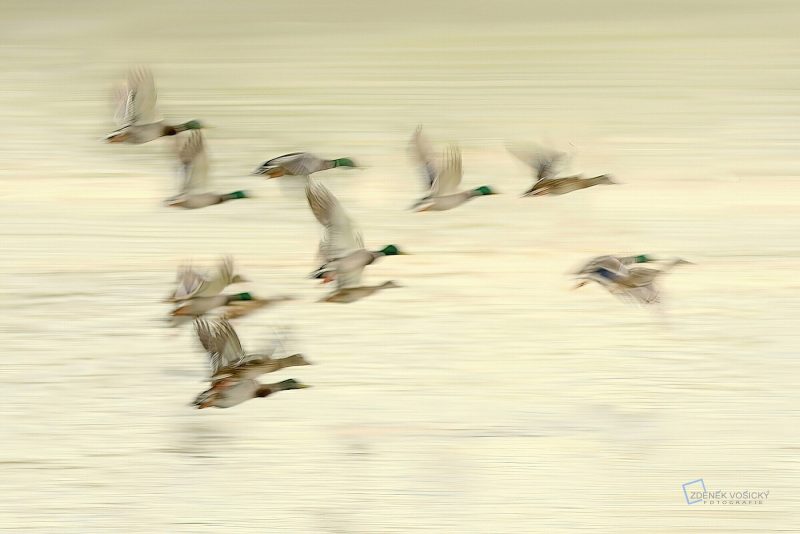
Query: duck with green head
{"points": [[546, 164], [341, 249], [300, 164], [442, 180], [193, 193], [136, 114]]}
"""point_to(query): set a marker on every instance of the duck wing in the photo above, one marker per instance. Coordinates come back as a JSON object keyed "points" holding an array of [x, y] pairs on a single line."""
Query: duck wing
{"points": [[340, 234], [189, 283], [221, 343], [449, 176], [193, 169], [122, 101], [545, 163], [142, 97], [422, 152]]}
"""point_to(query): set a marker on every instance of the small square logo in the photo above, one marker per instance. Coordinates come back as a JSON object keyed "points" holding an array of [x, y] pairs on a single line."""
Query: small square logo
{"points": [[691, 488]]}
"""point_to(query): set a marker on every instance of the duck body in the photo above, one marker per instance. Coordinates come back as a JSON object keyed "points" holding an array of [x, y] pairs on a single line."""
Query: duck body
{"points": [[230, 393], [444, 203], [198, 306], [299, 164], [562, 186], [259, 364], [355, 261], [351, 294], [203, 200]]}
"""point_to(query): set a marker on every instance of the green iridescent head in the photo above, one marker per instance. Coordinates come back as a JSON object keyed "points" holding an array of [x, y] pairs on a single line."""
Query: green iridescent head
{"points": [[643, 258], [237, 194], [391, 250], [484, 190], [243, 296], [344, 162], [193, 125]]}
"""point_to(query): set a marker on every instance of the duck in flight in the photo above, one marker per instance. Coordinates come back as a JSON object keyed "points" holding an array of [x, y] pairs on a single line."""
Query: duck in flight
{"points": [[443, 179], [341, 250], [138, 120], [233, 372], [546, 165], [299, 164], [193, 174]]}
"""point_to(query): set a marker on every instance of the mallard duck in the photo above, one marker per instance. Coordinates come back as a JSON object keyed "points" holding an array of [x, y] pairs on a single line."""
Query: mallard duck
{"points": [[341, 248], [299, 164], [228, 358], [443, 180], [135, 112], [545, 164], [194, 173], [192, 284], [636, 284]]}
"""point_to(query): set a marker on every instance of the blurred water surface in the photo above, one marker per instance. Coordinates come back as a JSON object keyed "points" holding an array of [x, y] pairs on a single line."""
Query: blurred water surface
{"points": [[484, 396]]}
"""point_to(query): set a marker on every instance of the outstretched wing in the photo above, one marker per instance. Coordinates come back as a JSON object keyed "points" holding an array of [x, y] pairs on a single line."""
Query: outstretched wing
{"points": [[449, 176], [221, 343], [422, 152], [340, 236], [143, 96], [226, 268], [122, 101], [189, 282], [545, 163], [194, 164]]}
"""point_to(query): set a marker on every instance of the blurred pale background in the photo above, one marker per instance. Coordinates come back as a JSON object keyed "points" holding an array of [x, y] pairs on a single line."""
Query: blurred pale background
{"points": [[482, 397]]}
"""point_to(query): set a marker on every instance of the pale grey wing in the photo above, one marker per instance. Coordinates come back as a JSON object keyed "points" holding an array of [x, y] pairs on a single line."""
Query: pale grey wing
{"points": [[641, 276], [301, 164], [226, 268], [646, 294], [122, 101], [423, 154], [140, 81], [194, 164], [449, 177], [545, 163], [189, 283], [345, 279], [341, 235]]}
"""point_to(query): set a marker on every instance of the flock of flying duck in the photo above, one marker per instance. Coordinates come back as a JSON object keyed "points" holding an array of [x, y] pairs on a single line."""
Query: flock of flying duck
{"points": [[342, 254]]}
